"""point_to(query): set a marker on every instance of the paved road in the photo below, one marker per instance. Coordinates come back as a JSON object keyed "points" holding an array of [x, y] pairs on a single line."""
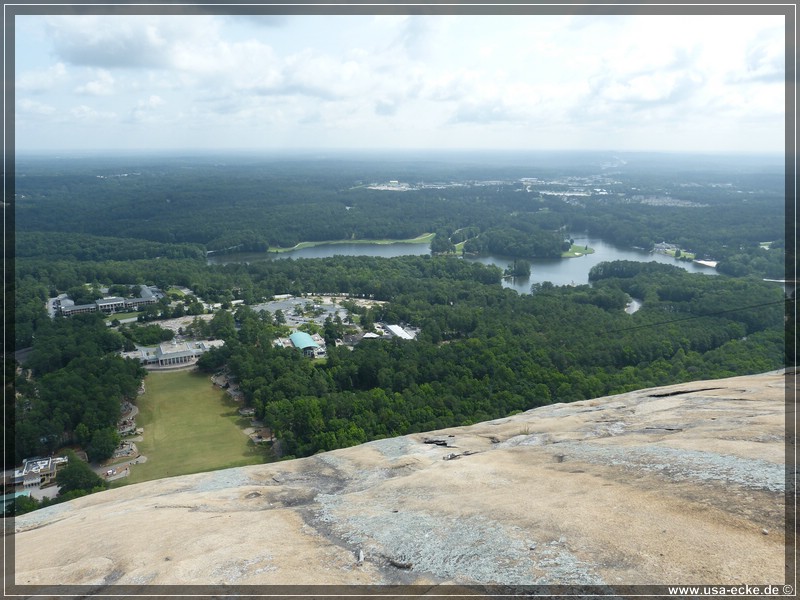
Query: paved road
{"points": [[129, 320], [120, 469]]}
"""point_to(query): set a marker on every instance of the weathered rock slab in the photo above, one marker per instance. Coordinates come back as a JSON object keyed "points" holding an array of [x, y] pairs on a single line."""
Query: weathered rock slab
{"points": [[657, 486]]}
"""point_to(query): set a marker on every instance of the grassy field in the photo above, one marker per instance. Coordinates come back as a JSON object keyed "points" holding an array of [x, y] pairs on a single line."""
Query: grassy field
{"points": [[577, 250], [684, 255], [425, 238], [173, 291], [190, 426]]}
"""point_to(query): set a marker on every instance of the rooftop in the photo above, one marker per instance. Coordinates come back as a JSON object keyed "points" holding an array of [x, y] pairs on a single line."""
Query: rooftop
{"points": [[302, 340], [110, 300], [400, 332]]}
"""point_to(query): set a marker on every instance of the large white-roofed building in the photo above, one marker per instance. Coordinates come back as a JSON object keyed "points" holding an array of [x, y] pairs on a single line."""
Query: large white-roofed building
{"points": [[399, 332]]}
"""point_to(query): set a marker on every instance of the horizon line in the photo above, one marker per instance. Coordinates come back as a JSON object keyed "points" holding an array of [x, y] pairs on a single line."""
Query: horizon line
{"points": [[440, 150]]}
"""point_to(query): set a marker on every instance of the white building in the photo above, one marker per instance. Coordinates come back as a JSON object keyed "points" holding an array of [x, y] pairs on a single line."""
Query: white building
{"points": [[171, 354], [399, 332], [36, 472], [110, 304]]}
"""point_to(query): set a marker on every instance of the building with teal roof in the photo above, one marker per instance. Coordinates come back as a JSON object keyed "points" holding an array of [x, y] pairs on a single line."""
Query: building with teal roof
{"points": [[302, 341]]}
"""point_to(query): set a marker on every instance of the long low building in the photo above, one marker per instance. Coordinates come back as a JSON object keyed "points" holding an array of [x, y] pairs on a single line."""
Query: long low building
{"points": [[67, 310], [170, 354], [401, 333], [148, 295], [110, 304]]}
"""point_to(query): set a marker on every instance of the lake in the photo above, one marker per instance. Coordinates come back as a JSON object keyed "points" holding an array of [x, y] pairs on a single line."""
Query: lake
{"points": [[558, 271], [575, 271], [326, 251]]}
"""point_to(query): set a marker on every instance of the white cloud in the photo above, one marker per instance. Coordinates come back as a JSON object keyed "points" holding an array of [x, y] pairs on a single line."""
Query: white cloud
{"points": [[765, 60], [27, 107], [400, 77], [210, 55], [87, 113], [40, 81], [131, 41], [145, 110], [446, 86], [108, 42], [654, 88], [152, 102], [415, 35], [101, 85], [268, 21], [386, 107], [484, 111], [323, 76]]}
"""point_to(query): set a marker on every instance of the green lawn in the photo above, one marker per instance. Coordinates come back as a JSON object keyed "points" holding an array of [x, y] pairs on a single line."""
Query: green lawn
{"points": [[190, 426], [425, 238], [684, 255], [577, 250]]}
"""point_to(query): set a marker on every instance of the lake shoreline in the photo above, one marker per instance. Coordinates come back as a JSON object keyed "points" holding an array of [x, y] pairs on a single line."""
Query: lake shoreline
{"points": [[424, 238], [557, 270]]}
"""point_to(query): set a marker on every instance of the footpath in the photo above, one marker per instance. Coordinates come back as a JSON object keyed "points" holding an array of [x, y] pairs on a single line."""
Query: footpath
{"points": [[114, 468]]}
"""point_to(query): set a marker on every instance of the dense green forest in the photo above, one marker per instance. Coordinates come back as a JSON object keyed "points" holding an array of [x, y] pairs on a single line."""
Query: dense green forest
{"points": [[72, 388], [183, 206], [483, 351]]}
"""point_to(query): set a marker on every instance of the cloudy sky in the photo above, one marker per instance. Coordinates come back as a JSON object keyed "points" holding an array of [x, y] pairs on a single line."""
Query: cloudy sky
{"points": [[672, 83]]}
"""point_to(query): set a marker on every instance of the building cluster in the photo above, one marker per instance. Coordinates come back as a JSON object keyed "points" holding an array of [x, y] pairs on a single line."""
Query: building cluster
{"points": [[383, 331], [313, 346], [664, 247], [65, 307]]}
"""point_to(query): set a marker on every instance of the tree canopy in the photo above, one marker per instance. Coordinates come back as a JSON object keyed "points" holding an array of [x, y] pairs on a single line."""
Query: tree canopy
{"points": [[483, 351]]}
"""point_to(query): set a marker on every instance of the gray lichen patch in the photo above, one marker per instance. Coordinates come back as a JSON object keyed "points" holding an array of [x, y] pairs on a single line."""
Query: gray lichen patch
{"points": [[677, 464], [474, 548]]}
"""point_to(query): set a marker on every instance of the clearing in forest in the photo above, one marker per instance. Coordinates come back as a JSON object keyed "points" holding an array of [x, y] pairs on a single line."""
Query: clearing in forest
{"points": [[190, 426]]}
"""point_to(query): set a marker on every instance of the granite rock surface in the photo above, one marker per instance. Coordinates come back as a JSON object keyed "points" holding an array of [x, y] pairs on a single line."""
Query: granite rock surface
{"points": [[681, 484]]}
